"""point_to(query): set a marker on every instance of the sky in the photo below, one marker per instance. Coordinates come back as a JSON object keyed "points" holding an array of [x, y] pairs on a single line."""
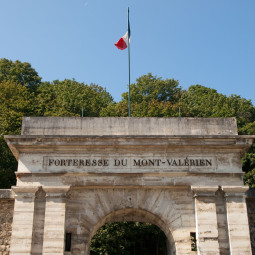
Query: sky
{"points": [[206, 42]]}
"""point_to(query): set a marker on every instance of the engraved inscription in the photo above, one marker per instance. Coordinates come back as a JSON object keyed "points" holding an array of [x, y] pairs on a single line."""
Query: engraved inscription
{"points": [[78, 162], [108, 163]]}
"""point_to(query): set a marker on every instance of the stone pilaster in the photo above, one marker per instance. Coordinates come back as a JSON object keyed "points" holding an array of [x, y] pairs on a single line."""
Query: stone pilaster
{"points": [[54, 225], [206, 220], [23, 220], [238, 227]]}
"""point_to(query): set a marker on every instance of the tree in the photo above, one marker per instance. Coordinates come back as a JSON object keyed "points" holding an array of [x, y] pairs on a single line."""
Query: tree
{"points": [[128, 238], [248, 161], [66, 98], [8, 165], [18, 82], [247, 129], [200, 101], [151, 96], [149, 87], [249, 178], [19, 72], [16, 102]]}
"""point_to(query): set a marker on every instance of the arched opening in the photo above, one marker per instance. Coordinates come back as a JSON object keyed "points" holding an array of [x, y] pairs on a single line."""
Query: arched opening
{"points": [[129, 238], [137, 218]]}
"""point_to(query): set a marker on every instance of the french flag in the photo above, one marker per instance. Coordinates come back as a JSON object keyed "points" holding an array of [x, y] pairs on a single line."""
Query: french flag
{"points": [[123, 42]]}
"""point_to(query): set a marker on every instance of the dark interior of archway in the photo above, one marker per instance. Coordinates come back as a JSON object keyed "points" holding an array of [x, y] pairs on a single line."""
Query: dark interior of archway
{"points": [[129, 238]]}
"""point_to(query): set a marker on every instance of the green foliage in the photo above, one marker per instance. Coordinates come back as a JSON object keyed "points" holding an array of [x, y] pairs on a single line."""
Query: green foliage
{"points": [[19, 72], [149, 87], [16, 101], [66, 98], [248, 161], [152, 108], [193, 241], [248, 129], [8, 166], [115, 110], [150, 97], [128, 238], [18, 82], [200, 101], [249, 178]]}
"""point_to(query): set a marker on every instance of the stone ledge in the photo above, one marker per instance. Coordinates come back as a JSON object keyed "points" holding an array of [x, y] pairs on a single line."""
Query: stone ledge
{"points": [[235, 189], [127, 126], [67, 144], [6, 194], [204, 191]]}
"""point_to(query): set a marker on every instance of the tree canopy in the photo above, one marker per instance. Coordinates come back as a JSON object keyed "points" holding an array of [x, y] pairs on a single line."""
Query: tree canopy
{"points": [[128, 238], [19, 72], [16, 101], [151, 96], [148, 88], [66, 98], [200, 101]]}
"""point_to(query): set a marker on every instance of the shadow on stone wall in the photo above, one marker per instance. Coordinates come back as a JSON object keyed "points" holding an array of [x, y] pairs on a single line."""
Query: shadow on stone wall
{"points": [[250, 200]]}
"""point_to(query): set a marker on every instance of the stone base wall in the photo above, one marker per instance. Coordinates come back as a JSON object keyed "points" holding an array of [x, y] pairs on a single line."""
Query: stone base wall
{"points": [[7, 207], [6, 216], [251, 217]]}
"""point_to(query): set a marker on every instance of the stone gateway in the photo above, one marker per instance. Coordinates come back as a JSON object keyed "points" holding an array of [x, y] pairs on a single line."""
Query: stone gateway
{"points": [[76, 174]]}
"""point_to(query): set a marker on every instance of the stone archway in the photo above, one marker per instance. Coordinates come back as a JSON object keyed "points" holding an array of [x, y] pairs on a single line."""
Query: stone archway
{"points": [[94, 170], [88, 209], [137, 215]]}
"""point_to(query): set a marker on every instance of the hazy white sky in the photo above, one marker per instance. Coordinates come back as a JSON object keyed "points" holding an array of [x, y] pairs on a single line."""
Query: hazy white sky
{"points": [[194, 41]]}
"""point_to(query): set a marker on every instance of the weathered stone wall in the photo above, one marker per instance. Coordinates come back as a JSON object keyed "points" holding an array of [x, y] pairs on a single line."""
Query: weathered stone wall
{"points": [[251, 216], [128, 126], [222, 223], [7, 206], [76, 174], [170, 209], [6, 215]]}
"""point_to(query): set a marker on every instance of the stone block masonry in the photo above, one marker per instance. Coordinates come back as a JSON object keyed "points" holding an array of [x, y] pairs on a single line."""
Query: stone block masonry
{"points": [[6, 216], [181, 174]]}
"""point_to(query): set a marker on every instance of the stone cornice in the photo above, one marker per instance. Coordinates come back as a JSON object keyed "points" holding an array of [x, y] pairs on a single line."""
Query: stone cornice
{"points": [[21, 143], [236, 191], [6, 194], [155, 174], [204, 191], [25, 191], [56, 191]]}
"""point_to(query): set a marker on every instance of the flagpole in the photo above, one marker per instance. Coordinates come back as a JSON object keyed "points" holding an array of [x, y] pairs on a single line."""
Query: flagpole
{"points": [[129, 112]]}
